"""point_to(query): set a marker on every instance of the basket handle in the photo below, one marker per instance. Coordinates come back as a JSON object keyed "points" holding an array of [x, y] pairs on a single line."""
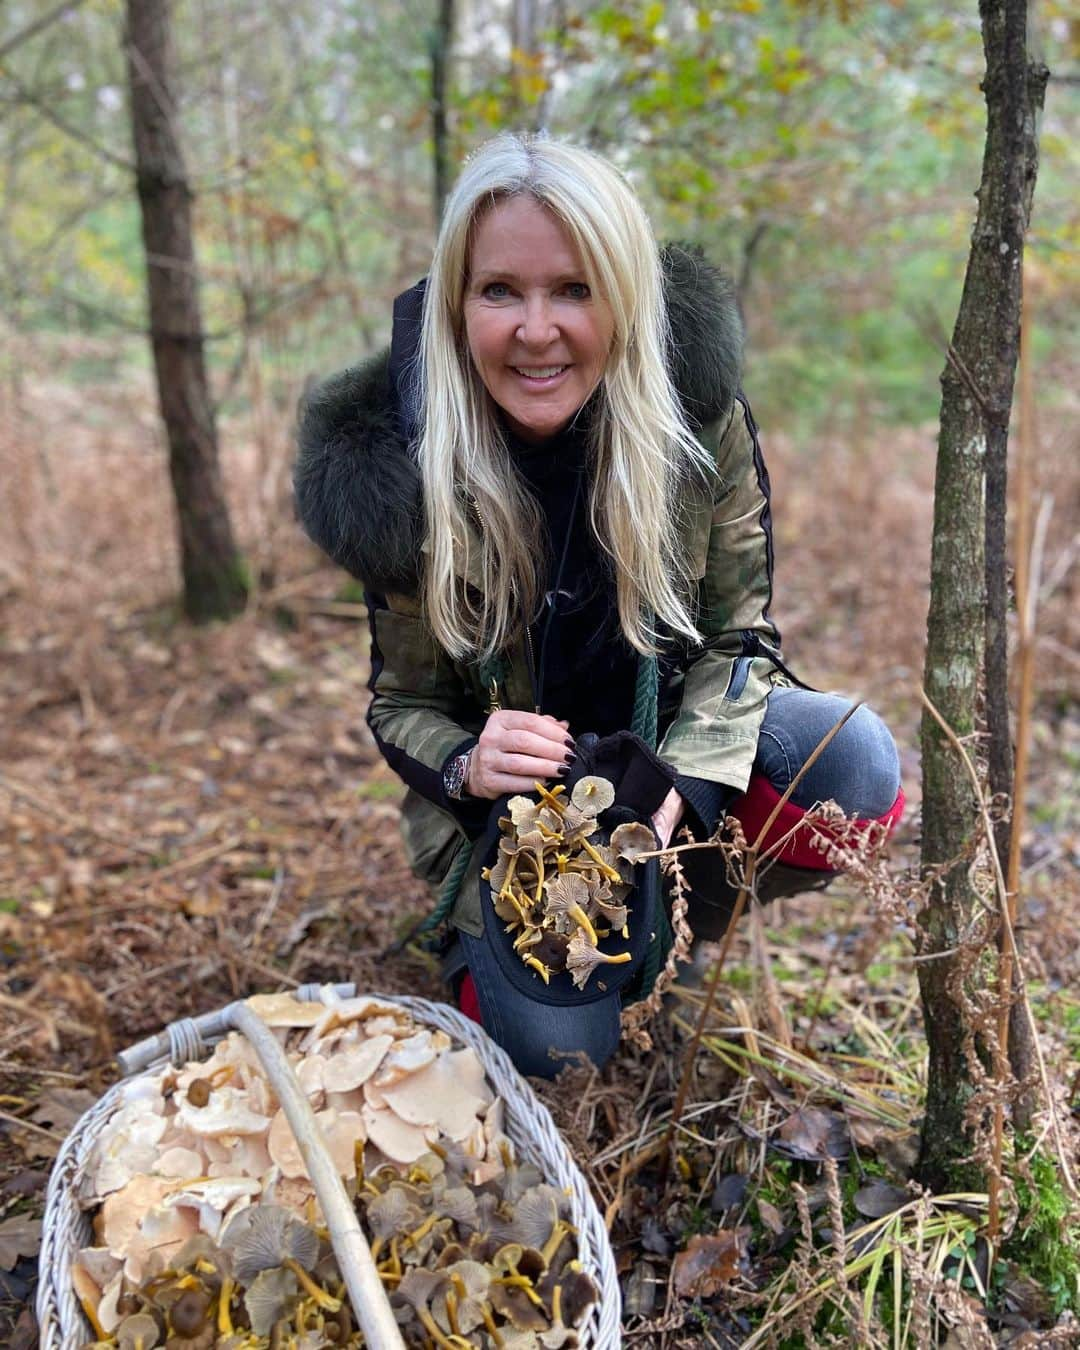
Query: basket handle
{"points": [[366, 1292]]}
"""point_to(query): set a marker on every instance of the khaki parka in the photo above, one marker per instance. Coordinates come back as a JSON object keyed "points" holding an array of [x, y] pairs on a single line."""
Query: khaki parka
{"points": [[425, 705]]}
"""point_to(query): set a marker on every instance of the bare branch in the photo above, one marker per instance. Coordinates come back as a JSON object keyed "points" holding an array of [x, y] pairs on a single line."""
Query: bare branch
{"points": [[32, 29]]}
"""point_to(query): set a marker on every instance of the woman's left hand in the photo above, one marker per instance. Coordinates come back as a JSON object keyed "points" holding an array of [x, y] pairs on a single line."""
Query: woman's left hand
{"points": [[667, 818]]}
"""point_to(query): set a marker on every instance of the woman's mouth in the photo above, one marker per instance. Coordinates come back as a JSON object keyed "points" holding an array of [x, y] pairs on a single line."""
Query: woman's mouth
{"points": [[540, 376]]}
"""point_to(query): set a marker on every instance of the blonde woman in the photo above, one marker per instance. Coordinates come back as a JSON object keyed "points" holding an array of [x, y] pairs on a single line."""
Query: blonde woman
{"points": [[551, 477]]}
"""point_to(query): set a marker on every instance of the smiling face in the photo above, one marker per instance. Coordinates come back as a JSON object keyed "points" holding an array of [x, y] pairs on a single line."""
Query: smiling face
{"points": [[538, 336]]}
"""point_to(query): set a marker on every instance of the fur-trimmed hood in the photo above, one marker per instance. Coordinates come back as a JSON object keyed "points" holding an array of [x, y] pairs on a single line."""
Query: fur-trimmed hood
{"points": [[358, 488]]}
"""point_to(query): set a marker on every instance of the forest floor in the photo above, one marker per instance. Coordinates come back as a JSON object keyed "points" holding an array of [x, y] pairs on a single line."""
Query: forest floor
{"points": [[188, 816]]}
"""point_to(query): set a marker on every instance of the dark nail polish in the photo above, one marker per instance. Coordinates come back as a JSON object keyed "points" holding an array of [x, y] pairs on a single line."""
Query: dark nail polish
{"points": [[571, 742], [561, 773], [570, 758]]}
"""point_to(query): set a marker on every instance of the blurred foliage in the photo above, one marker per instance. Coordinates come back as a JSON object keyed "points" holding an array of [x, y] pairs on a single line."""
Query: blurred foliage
{"points": [[825, 151]]}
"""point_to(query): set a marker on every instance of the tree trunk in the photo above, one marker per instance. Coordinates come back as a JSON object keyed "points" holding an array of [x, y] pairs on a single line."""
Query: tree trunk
{"points": [[976, 398], [214, 580], [440, 93]]}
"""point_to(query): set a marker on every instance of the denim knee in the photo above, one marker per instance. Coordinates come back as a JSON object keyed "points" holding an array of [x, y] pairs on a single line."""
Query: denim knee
{"points": [[860, 767]]}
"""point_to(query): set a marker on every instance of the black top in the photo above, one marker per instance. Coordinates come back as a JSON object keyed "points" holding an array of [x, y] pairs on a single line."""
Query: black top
{"points": [[584, 670]]}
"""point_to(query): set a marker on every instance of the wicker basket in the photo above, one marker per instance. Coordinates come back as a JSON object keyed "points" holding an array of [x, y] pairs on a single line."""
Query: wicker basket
{"points": [[528, 1124]]}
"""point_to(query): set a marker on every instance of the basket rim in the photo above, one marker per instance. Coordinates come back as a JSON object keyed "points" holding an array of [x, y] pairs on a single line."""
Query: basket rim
{"points": [[527, 1122]]}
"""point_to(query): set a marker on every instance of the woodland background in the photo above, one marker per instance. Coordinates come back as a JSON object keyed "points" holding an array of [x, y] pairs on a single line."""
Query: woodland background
{"points": [[188, 813]]}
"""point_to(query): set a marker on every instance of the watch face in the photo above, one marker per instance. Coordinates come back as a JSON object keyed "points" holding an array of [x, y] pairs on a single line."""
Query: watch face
{"points": [[454, 776]]}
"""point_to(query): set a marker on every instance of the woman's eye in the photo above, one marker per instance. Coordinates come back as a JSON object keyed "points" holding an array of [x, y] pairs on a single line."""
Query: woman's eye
{"points": [[577, 290], [496, 290]]}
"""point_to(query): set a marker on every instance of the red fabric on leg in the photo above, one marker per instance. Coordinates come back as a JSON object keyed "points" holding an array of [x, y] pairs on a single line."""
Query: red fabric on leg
{"points": [[755, 806], [467, 999]]}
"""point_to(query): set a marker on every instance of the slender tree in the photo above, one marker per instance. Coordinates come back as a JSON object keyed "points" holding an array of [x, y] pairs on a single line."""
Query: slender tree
{"points": [[977, 387], [214, 584], [442, 39]]}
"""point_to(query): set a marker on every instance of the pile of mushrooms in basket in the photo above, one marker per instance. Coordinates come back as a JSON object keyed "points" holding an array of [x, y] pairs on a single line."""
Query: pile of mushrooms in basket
{"points": [[208, 1232]]}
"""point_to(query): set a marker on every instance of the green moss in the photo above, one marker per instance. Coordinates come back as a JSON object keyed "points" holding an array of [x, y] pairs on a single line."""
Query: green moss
{"points": [[1045, 1243]]}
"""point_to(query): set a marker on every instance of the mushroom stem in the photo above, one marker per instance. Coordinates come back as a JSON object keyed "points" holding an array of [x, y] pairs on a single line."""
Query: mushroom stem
{"points": [[92, 1317], [432, 1329], [224, 1317], [321, 1297], [539, 877], [556, 1305], [559, 1230], [539, 967], [493, 1330], [451, 1312], [522, 1282], [417, 1233], [551, 796], [605, 868], [579, 916]]}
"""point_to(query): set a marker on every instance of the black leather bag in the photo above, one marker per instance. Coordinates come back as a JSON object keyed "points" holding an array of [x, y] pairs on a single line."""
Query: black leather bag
{"points": [[641, 783]]}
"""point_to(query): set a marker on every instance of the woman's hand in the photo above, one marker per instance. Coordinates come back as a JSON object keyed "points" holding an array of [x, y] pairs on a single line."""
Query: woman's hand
{"points": [[665, 820], [514, 750]]}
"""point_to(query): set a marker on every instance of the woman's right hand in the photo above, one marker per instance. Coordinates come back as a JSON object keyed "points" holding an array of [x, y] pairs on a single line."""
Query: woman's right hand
{"points": [[514, 750]]}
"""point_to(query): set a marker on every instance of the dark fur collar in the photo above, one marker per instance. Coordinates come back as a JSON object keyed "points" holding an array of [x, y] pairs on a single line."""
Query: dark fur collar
{"points": [[358, 489]]}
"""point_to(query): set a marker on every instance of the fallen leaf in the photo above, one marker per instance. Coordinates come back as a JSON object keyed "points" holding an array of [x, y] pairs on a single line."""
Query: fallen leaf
{"points": [[61, 1107], [812, 1133], [709, 1262], [879, 1199], [730, 1192], [19, 1236], [27, 1181], [654, 1239], [639, 1291], [770, 1216]]}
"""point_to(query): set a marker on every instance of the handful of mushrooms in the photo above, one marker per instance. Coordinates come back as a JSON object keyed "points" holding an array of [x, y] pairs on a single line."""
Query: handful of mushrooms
{"points": [[558, 884], [208, 1232]]}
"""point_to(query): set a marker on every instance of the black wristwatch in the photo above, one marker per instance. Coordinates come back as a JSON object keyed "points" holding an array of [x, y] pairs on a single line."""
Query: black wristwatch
{"points": [[454, 774]]}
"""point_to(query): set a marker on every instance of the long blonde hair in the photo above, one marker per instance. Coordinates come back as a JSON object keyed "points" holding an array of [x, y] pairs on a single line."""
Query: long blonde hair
{"points": [[641, 444]]}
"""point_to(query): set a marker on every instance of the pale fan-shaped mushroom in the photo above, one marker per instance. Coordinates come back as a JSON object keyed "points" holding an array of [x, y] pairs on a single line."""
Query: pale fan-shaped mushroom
{"points": [[128, 1146], [108, 1310], [393, 1137], [160, 1233], [211, 1200], [310, 1070], [592, 794], [433, 1096], [286, 1153], [123, 1210], [285, 1010], [343, 1131], [568, 894], [582, 959], [632, 838], [245, 1155], [227, 1112], [461, 1301], [179, 1162], [270, 1297], [409, 1055], [348, 1069], [523, 811]]}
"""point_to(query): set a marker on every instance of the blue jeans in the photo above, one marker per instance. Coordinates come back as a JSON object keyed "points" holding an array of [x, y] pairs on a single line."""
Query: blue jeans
{"points": [[859, 770]]}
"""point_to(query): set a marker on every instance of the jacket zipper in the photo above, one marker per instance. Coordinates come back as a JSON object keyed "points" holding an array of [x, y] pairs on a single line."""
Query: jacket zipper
{"points": [[494, 703]]}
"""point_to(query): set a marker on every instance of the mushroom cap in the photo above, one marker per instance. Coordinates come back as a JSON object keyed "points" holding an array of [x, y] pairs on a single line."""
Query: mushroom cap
{"points": [[177, 1162], [138, 1332], [408, 1055], [563, 892], [593, 794], [227, 1112], [469, 1307], [352, 1067], [285, 1010], [435, 1096], [263, 1236], [124, 1209], [128, 1146], [394, 1137], [269, 1298], [632, 838]]}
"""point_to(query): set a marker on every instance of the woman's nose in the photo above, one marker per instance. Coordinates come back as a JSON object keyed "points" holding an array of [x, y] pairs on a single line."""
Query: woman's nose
{"points": [[537, 327]]}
